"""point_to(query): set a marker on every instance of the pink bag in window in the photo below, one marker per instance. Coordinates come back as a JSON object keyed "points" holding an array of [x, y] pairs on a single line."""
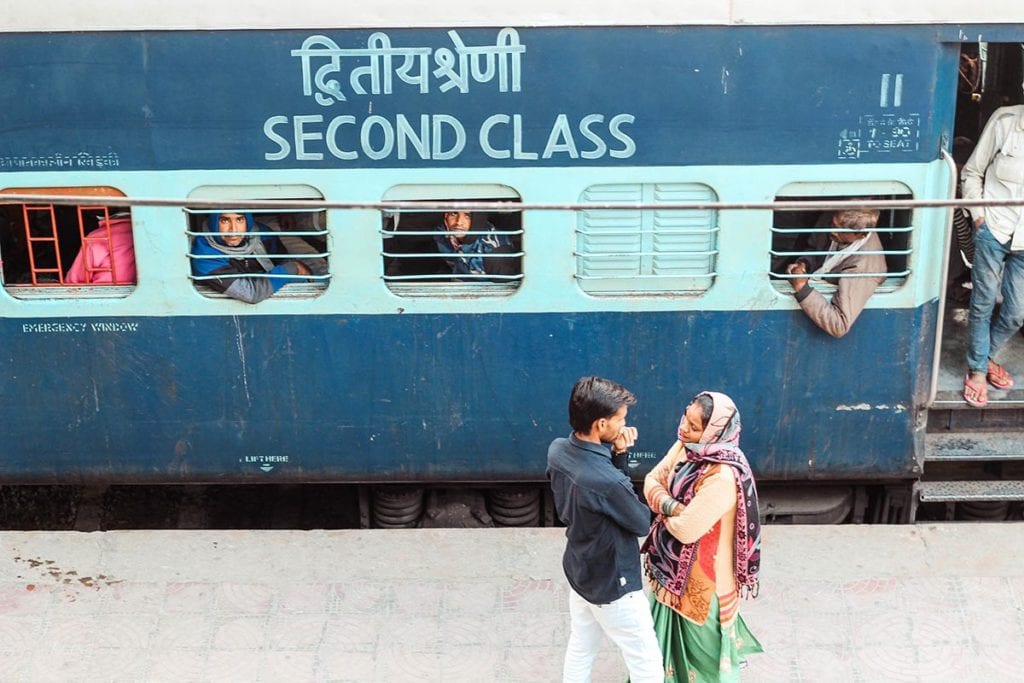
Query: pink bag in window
{"points": [[96, 264]]}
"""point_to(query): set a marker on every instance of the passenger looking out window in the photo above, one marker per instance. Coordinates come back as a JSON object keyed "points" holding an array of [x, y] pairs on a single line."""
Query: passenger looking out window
{"points": [[230, 252], [442, 251], [473, 247], [852, 252]]}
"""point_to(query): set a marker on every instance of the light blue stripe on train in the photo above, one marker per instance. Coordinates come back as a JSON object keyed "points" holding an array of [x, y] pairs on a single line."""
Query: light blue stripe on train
{"points": [[549, 239]]}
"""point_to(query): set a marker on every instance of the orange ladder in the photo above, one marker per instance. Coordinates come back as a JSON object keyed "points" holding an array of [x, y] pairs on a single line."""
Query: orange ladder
{"points": [[35, 242]]}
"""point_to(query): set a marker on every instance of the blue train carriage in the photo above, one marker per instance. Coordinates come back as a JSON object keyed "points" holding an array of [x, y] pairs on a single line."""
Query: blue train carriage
{"points": [[386, 363]]}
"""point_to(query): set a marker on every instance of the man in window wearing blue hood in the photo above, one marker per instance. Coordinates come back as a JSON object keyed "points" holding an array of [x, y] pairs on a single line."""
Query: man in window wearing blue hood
{"points": [[237, 254], [467, 248]]}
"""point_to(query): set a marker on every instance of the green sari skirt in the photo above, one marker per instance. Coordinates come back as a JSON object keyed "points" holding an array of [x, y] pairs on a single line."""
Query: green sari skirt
{"points": [[701, 654]]}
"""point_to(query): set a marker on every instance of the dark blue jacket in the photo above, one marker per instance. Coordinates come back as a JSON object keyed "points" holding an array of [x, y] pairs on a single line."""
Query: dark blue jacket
{"points": [[604, 517], [248, 289], [469, 258]]}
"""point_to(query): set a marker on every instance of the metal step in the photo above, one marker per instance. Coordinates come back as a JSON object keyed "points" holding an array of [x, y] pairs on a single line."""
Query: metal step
{"points": [[949, 491], [1007, 420], [973, 446], [953, 400]]}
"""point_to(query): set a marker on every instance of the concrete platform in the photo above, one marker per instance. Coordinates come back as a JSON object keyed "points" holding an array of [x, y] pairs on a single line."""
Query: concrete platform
{"points": [[838, 603]]}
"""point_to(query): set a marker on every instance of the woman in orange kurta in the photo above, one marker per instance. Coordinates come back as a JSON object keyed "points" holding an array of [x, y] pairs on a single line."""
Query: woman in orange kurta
{"points": [[704, 545]]}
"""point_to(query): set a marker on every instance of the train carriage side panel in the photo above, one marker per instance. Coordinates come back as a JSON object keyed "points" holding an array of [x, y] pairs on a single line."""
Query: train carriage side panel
{"points": [[361, 384]]}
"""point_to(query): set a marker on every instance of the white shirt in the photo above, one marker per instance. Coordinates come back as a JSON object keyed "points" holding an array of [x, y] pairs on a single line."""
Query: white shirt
{"points": [[996, 171]]}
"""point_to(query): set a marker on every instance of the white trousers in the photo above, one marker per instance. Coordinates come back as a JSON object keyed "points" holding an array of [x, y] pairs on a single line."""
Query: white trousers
{"points": [[628, 623]]}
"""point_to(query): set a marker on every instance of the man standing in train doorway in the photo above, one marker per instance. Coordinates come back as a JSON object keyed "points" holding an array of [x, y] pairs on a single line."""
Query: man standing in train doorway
{"points": [[995, 171], [604, 518]]}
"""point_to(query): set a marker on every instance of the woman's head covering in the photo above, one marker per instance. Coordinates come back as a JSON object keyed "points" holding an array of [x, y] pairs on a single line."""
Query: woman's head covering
{"points": [[724, 423], [251, 245]]}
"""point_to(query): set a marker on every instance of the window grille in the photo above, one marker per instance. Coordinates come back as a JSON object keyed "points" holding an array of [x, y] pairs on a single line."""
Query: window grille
{"points": [[806, 233], [299, 235], [422, 256], [621, 251]]}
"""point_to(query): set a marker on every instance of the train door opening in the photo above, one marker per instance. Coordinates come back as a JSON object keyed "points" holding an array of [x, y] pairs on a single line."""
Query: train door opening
{"points": [[973, 463], [991, 75]]}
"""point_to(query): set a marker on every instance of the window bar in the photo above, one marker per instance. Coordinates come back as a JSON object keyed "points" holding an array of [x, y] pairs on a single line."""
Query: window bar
{"points": [[838, 276], [452, 277], [258, 276], [431, 233], [264, 233], [657, 232], [695, 276], [272, 257], [790, 231], [90, 268], [439, 255], [884, 252], [254, 212]]}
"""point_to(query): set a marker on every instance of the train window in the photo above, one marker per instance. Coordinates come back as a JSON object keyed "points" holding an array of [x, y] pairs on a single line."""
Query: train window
{"points": [[659, 250], [58, 251], [285, 255], [452, 253], [797, 232]]}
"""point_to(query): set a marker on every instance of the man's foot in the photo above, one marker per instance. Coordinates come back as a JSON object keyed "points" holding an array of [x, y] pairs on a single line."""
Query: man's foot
{"points": [[998, 376], [975, 391]]}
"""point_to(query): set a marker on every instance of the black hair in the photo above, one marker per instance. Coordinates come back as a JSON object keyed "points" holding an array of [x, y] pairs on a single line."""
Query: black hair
{"points": [[707, 405], [594, 398], [962, 148]]}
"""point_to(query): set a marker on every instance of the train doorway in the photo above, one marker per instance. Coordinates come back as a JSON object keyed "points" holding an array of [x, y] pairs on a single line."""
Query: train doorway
{"points": [[990, 76], [972, 465]]}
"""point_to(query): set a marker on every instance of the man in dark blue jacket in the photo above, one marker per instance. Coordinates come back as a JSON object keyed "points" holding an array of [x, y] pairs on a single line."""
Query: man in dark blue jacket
{"points": [[595, 499]]}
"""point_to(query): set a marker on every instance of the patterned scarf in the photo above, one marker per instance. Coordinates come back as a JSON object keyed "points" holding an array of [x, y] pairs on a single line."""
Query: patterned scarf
{"points": [[670, 561]]}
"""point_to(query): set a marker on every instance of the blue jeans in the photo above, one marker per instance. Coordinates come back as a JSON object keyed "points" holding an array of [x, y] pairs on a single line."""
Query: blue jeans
{"points": [[994, 266]]}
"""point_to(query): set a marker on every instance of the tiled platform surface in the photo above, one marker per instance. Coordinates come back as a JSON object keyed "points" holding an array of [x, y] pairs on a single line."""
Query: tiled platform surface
{"points": [[840, 603]]}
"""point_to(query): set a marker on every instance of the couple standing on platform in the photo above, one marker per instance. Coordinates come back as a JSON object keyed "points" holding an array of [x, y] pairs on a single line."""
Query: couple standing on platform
{"points": [[702, 548]]}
